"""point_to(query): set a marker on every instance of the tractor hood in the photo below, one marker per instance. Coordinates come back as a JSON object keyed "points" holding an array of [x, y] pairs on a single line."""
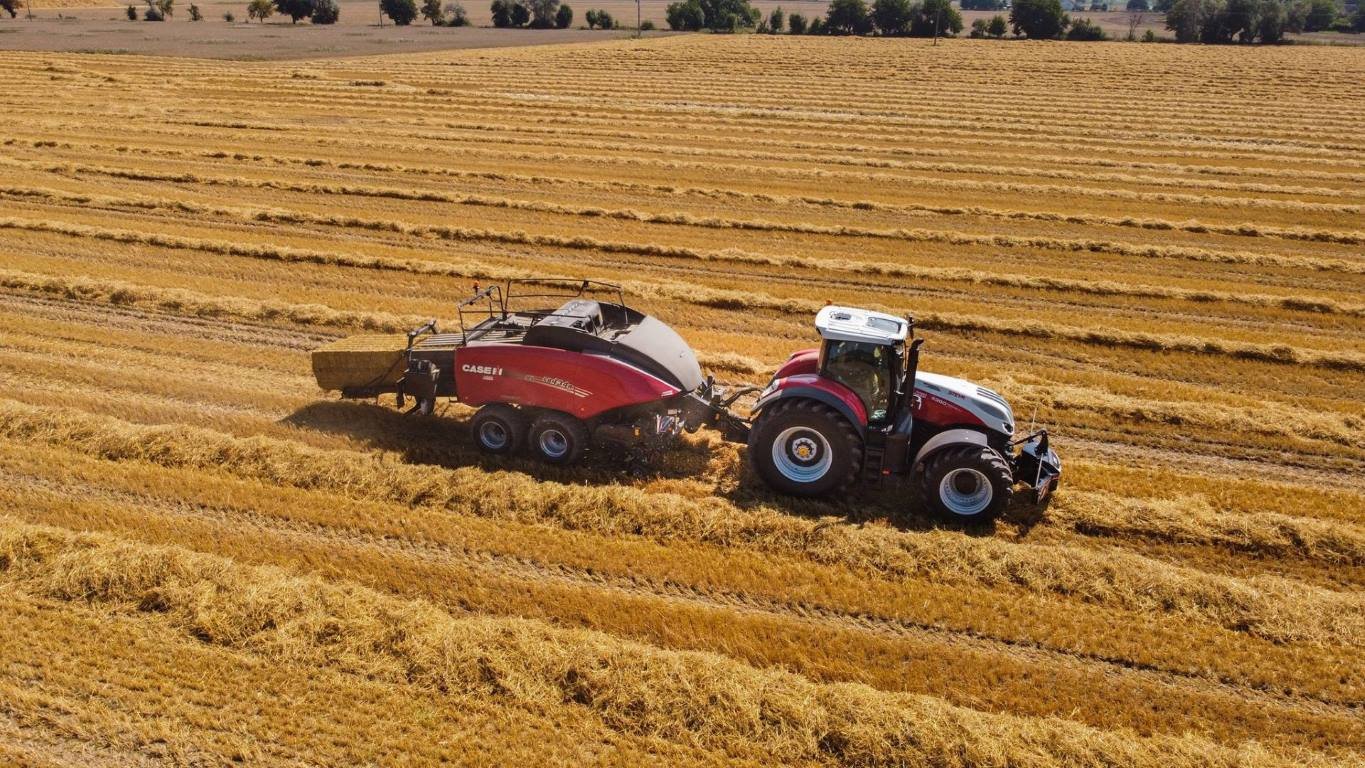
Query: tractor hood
{"points": [[984, 404]]}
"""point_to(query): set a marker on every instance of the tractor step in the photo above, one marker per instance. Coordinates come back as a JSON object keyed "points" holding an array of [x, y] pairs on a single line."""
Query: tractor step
{"points": [[872, 464]]}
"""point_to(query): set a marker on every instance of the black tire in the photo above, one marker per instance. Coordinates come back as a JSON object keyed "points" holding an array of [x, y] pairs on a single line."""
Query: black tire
{"points": [[498, 429], [967, 483], [558, 438], [789, 427]]}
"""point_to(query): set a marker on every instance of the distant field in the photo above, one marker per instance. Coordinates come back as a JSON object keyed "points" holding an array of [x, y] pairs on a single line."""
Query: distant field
{"points": [[1155, 250]]}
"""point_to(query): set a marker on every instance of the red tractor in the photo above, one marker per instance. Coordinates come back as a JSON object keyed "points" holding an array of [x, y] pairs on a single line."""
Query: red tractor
{"points": [[590, 371]]}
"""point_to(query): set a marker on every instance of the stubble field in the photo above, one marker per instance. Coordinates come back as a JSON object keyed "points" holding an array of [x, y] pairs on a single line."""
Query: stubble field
{"points": [[1157, 249]]}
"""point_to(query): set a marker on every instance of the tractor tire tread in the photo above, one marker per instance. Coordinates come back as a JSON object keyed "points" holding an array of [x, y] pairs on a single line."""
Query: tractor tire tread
{"points": [[986, 460]]}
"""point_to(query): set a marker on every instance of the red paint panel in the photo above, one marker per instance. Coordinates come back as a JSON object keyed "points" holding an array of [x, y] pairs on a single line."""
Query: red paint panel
{"points": [[801, 362], [581, 384], [816, 381], [935, 410]]}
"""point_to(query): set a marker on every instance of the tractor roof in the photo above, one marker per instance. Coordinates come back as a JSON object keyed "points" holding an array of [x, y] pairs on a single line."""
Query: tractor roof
{"points": [[851, 324]]}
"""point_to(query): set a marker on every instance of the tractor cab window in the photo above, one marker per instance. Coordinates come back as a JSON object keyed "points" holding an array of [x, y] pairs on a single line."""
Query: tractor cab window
{"points": [[867, 370]]}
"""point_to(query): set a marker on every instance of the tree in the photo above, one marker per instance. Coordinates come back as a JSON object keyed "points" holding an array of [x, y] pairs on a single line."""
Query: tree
{"points": [[1270, 24], [797, 24], [1085, 29], [591, 18], [564, 17], [936, 17], [542, 13], [982, 5], [1138, 5], [604, 20], [817, 26], [294, 9], [1320, 15], [978, 29], [433, 12], [325, 12], [1241, 19], [401, 11], [165, 7], [685, 16], [1188, 18], [132, 13], [1038, 19], [195, 14], [502, 13], [848, 17], [229, 16], [520, 14], [1358, 21], [997, 27], [259, 10], [893, 16], [777, 21]]}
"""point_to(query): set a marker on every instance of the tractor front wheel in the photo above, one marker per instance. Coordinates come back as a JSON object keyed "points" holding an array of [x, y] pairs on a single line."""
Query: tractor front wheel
{"points": [[804, 448], [558, 438], [967, 483]]}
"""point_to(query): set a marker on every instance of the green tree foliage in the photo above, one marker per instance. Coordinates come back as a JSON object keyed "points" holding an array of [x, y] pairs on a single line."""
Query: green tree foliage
{"points": [[892, 17], [848, 17], [685, 16], [520, 14], [564, 16], [325, 12], [1085, 29], [542, 13], [983, 5], [1270, 21], [229, 16], [1186, 19], [259, 10], [796, 23], [131, 11], [937, 15], [1320, 15], [600, 19], [401, 11], [978, 29], [1038, 19], [1139, 5], [195, 13], [777, 21], [816, 27], [997, 26], [433, 11], [294, 9], [502, 13]]}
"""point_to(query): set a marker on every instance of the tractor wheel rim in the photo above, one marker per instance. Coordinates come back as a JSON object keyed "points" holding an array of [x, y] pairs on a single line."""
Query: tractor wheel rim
{"points": [[493, 435], [802, 454], [553, 443], [965, 492]]}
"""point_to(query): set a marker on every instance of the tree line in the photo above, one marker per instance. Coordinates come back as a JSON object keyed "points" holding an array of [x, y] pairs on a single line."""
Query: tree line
{"points": [[1208, 21]]}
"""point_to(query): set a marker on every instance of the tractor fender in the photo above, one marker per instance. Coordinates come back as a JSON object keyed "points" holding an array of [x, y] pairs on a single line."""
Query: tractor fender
{"points": [[788, 390], [947, 438]]}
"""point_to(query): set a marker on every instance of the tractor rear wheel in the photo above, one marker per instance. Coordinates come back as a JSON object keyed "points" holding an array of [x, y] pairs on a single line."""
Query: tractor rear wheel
{"points": [[558, 438], [804, 448], [967, 483], [498, 428]]}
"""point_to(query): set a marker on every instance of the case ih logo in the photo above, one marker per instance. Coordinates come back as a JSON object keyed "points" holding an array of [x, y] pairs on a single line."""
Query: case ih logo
{"points": [[486, 370], [566, 386]]}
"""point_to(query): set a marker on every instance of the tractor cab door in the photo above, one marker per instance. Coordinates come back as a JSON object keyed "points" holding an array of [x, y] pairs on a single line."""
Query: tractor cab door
{"points": [[867, 369]]}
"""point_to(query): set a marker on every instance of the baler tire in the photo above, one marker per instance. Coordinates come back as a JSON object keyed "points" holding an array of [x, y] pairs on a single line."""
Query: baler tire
{"points": [[558, 438], [498, 419], [821, 429], [950, 499]]}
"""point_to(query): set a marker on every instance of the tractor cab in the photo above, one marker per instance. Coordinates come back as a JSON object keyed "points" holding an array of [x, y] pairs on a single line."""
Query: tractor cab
{"points": [[865, 351]]}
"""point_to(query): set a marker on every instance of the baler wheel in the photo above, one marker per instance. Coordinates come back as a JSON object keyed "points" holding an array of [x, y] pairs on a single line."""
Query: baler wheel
{"points": [[498, 428], [558, 438]]}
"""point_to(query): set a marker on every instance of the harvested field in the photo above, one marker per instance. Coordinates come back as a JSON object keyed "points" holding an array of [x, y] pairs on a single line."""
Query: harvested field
{"points": [[1155, 250]]}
